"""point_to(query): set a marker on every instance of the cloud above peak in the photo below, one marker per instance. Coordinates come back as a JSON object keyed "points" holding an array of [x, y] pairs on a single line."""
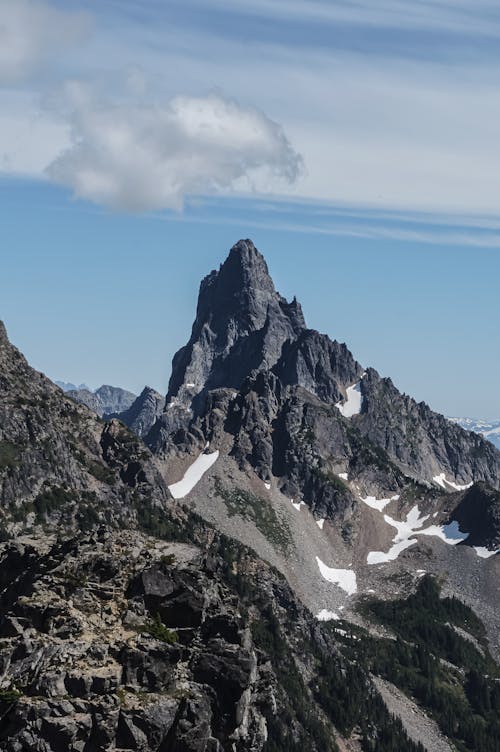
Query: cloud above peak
{"points": [[137, 157], [32, 32]]}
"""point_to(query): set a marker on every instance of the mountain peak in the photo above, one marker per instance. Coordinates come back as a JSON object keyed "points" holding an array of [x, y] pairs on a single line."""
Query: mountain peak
{"points": [[246, 267], [241, 325]]}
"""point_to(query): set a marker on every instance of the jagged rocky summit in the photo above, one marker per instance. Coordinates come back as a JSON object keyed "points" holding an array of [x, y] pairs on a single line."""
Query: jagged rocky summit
{"points": [[144, 411], [246, 333]]}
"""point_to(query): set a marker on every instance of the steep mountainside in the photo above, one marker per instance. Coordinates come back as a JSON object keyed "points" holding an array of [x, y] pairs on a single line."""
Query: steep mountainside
{"points": [[143, 412], [107, 400], [59, 463], [276, 568]]}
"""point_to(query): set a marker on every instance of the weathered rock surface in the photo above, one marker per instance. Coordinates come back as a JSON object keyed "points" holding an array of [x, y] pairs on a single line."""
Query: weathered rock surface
{"points": [[143, 412], [115, 640]]}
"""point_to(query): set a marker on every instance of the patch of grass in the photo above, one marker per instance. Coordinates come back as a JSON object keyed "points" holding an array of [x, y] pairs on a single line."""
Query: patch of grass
{"points": [[333, 480], [257, 510], [168, 559]]}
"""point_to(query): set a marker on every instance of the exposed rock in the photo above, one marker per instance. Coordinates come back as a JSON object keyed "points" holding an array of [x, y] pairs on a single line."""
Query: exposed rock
{"points": [[143, 412], [60, 464]]}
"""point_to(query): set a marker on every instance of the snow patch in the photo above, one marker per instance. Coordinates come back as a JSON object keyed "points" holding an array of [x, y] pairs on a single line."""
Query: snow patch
{"points": [[325, 615], [378, 504], [344, 476], [267, 485], [379, 557], [297, 505], [353, 402], [412, 526], [320, 523], [441, 481], [344, 578], [485, 553], [193, 475]]}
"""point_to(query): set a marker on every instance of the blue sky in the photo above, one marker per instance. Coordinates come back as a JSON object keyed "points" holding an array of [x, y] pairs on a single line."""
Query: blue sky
{"points": [[357, 144]]}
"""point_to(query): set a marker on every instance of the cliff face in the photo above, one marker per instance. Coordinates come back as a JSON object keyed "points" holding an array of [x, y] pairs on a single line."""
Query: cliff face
{"points": [[143, 413]]}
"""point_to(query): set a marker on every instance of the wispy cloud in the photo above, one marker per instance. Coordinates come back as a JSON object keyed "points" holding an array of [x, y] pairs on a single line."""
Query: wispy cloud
{"points": [[344, 221], [32, 32], [463, 17]]}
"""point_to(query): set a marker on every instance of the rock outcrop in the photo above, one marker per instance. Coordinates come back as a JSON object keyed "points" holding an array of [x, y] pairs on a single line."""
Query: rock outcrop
{"points": [[143, 412]]}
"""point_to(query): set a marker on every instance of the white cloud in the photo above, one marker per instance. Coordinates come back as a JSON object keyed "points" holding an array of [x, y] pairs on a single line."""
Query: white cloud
{"points": [[136, 157], [32, 32]]}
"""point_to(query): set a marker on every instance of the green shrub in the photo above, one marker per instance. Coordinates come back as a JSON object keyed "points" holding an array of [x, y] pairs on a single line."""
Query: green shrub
{"points": [[157, 629], [10, 696], [51, 500]]}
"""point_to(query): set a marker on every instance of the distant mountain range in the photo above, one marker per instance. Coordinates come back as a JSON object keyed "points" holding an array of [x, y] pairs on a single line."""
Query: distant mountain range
{"points": [[490, 429], [106, 400], [67, 386]]}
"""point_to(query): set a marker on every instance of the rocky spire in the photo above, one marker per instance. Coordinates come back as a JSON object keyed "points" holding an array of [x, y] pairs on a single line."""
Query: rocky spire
{"points": [[241, 325]]}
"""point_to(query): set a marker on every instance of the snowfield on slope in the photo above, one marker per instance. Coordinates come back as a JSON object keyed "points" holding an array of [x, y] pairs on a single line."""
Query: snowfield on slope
{"points": [[485, 553], [344, 578], [412, 526], [378, 504], [325, 615], [193, 475], [441, 481], [353, 402]]}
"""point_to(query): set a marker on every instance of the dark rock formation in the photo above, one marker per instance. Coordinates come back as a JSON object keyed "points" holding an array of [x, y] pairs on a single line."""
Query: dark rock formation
{"points": [[423, 442], [478, 512], [241, 325], [115, 640], [143, 412]]}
